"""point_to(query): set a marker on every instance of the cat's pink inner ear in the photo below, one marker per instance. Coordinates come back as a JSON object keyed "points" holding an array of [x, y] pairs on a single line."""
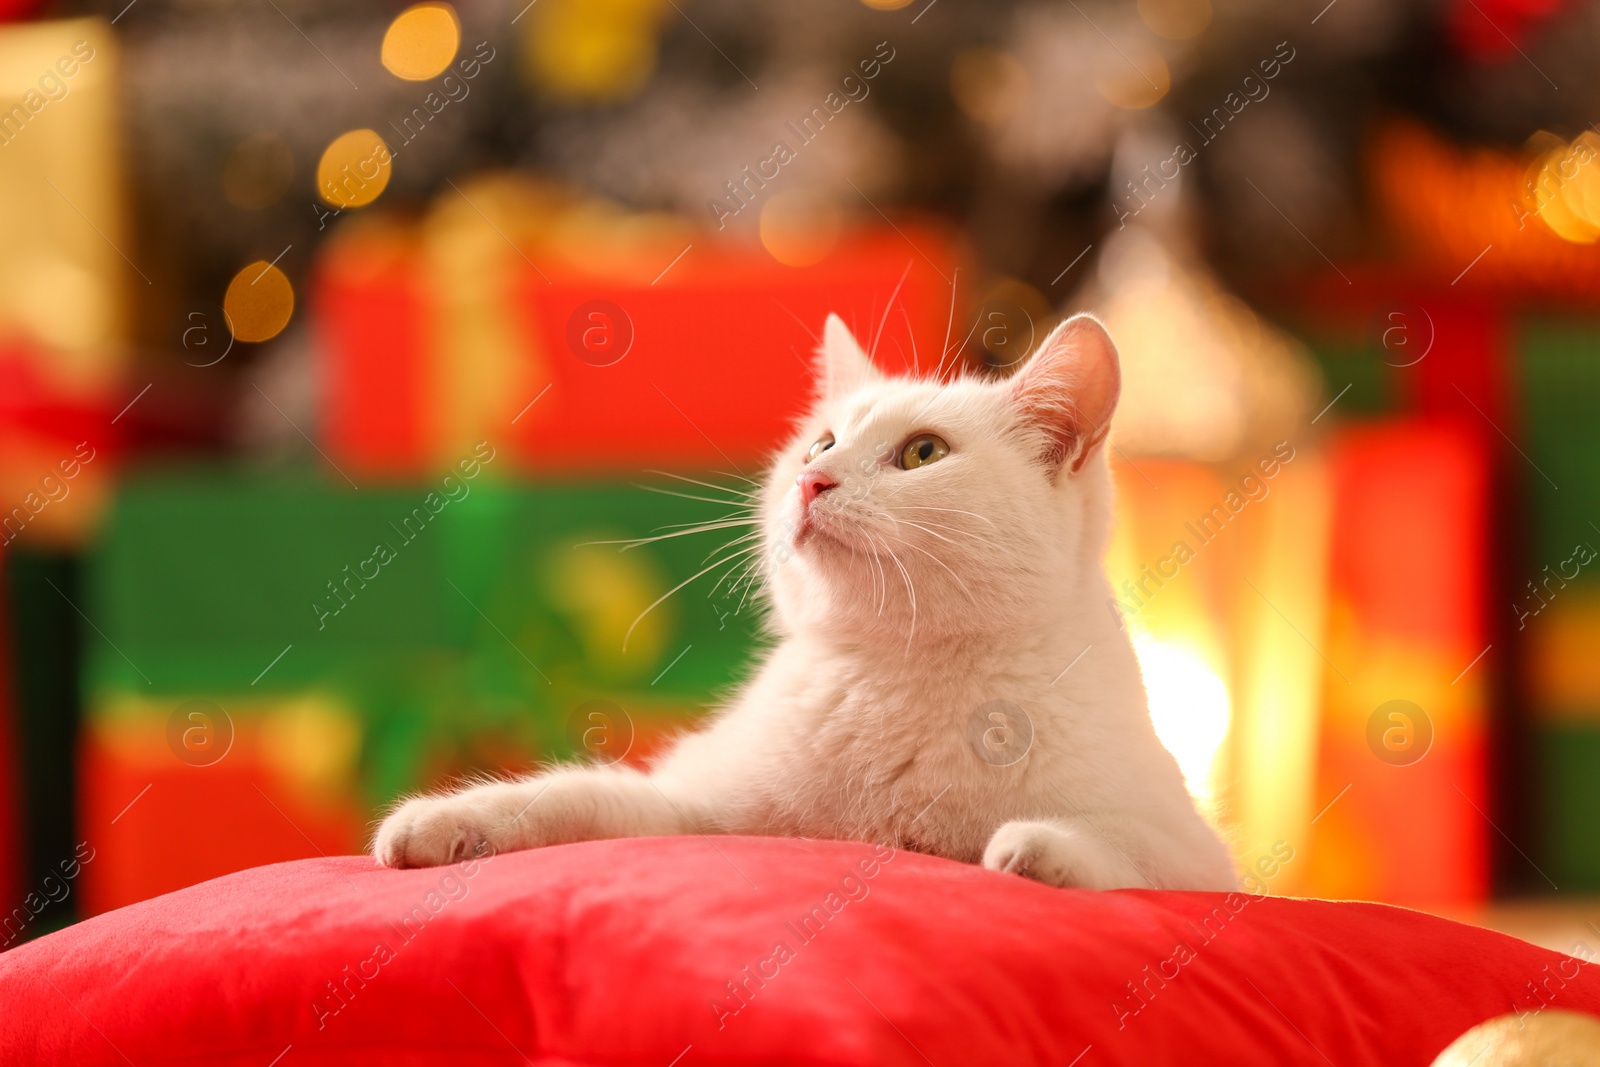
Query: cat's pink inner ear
{"points": [[1070, 389], [842, 366]]}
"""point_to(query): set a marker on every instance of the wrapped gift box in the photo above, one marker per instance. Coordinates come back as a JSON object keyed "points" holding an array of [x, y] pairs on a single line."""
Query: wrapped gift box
{"points": [[599, 351], [1404, 768], [1556, 606], [493, 637]]}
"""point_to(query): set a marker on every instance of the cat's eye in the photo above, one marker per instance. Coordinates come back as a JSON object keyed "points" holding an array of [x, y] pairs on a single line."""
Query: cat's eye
{"points": [[818, 447], [923, 449]]}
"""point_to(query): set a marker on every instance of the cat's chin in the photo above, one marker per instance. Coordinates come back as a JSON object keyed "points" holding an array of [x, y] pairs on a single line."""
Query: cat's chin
{"points": [[815, 536]]}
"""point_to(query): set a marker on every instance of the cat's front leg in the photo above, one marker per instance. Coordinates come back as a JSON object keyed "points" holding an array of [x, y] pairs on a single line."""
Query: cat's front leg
{"points": [[568, 804], [1062, 853]]}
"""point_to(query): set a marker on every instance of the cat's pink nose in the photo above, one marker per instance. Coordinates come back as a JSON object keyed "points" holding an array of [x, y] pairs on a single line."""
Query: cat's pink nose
{"points": [[812, 484]]}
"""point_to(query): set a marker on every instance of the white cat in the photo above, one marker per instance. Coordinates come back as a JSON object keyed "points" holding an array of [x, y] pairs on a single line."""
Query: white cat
{"points": [[948, 676]]}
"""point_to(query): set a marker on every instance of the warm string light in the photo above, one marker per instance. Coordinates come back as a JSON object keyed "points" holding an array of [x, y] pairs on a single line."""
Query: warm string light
{"points": [[594, 50], [421, 41], [354, 169], [1563, 186], [1533, 209], [259, 302]]}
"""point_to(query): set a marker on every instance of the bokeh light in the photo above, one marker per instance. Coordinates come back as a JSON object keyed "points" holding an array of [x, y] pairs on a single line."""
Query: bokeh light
{"points": [[988, 84], [1583, 190], [886, 5], [1564, 187], [259, 302], [1012, 317], [1189, 707], [354, 169], [591, 49], [799, 228], [1176, 20], [312, 742], [421, 41], [1135, 76]]}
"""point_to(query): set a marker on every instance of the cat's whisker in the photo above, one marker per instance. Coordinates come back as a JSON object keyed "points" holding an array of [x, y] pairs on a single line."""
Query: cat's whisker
{"points": [[733, 587], [748, 576], [877, 338], [875, 570], [905, 314], [927, 529], [734, 575], [732, 515], [638, 542], [690, 496], [956, 351], [955, 277], [749, 493], [750, 555], [745, 544], [953, 511], [741, 477], [658, 600], [964, 588], [936, 523], [954, 355], [930, 527], [911, 590], [872, 569], [801, 321], [751, 536], [853, 555], [883, 579], [880, 548]]}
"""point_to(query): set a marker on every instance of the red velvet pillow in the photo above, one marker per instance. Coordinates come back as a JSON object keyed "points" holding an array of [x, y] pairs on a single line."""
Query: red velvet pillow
{"points": [[678, 951]]}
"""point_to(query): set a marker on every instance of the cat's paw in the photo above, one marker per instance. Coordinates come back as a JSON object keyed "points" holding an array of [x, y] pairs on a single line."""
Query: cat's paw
{"points": [[1032, 849], [1059, 856], [434, 831], [557, 807]]}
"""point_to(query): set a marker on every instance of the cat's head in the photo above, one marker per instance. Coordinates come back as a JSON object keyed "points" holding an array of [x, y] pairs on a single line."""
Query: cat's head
{"points": [[922, 507]]}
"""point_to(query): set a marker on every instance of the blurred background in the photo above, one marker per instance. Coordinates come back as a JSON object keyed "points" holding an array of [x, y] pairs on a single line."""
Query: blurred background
{"points": [[333, 337]]}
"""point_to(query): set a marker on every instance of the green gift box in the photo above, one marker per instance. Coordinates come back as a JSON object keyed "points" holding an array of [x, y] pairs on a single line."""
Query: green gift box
{"points": [[468, 624]]}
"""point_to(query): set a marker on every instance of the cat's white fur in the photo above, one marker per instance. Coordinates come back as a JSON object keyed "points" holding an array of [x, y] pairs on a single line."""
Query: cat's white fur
{"points": [[947, 676]]}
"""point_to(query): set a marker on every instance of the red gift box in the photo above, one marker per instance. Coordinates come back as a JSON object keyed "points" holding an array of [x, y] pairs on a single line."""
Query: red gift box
{"points": [[699, 361]]}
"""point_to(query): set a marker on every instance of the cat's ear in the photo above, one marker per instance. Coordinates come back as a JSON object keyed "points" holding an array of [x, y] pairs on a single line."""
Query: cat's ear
{"points": [[1069, 388], [842, 366]]}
